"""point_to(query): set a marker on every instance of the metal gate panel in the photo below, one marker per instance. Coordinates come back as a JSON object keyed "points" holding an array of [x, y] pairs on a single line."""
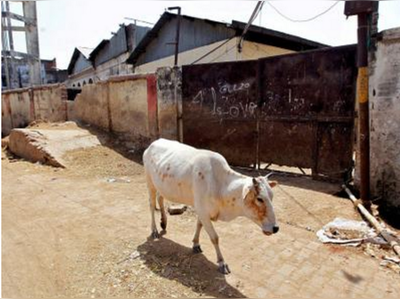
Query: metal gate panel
{"points": [[293, 110], [219, 109], [287, 143], [335, 149], [307, 110]]}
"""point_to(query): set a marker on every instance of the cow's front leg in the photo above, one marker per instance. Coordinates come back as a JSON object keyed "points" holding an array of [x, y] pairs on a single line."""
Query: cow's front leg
{"points": [[222, 266], [196, 238]]}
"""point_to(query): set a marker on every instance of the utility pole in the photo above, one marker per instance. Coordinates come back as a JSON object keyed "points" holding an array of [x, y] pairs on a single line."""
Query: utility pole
{"points": [[178, 27], [364, 11]]}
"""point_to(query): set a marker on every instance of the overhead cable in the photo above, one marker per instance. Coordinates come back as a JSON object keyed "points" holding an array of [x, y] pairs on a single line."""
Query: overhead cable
{"points": [[304, 20]]}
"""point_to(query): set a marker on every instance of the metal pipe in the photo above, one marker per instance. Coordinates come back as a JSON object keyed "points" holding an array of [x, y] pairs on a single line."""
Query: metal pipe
{"points": [[362, 99], [379, 228], [178, 26]]}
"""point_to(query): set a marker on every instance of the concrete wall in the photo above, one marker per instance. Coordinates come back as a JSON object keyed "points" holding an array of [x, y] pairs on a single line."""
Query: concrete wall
{"points": [[385, 120], [80, 79], [169, 103], [128, 106], [113, 67], [224, 53], [102, 72], [252, 50], [124, 105], [91, 105], [22, 106], [227, 52], [50, 103]]}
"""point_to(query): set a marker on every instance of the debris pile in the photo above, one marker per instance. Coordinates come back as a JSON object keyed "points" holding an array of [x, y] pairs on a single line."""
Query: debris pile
{"points": [[358, 234]]}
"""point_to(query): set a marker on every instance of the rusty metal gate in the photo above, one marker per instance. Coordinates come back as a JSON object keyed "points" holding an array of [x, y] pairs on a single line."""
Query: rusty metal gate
{"points": [[293, 110]]}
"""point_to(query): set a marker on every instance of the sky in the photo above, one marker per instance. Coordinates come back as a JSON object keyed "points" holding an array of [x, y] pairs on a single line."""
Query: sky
{"points": [[66, 24]]}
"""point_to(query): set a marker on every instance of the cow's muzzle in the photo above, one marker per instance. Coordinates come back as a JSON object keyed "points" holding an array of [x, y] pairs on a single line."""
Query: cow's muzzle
{"points": [[275, 229]]}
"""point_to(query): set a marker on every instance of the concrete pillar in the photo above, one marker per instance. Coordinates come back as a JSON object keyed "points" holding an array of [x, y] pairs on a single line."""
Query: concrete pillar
{"points": [[32, 42]]}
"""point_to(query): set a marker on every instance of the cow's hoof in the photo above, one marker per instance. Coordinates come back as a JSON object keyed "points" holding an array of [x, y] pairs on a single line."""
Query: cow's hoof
{"points": [[224, 269], [163, 225], [197, 249], [155, 235]]}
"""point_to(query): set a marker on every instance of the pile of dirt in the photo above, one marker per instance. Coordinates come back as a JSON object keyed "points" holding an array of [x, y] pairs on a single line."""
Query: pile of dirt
{"points": [[49, 146], [103, 161]]}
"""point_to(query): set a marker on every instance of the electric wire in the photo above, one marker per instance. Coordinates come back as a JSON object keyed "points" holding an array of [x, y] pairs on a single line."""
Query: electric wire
{"points": [[304, 20]]}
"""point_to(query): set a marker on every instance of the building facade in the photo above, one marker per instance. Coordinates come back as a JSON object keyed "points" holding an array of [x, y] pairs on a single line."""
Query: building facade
{"points": [[107, 59]]}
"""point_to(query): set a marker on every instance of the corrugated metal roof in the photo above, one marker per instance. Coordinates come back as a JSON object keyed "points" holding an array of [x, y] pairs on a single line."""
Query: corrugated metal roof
{"points": [[75, 56], [153, 33], [276, 38], [108, 49], [255, 33], [85, 51]]}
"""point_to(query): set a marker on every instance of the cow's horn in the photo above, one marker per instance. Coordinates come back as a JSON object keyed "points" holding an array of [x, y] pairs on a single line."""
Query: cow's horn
{"points": [[269, 174]]}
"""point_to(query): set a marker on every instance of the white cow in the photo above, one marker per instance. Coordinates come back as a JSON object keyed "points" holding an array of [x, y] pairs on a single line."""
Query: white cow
{"points": [[204, 180]]}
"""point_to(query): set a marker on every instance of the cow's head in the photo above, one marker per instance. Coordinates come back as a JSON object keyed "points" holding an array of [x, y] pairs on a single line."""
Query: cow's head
{"points": [[257, 196]]}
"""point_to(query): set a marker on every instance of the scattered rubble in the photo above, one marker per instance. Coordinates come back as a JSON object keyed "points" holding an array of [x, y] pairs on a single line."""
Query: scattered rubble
{"points": [[358, 234], [118, 180], [347, 232]]}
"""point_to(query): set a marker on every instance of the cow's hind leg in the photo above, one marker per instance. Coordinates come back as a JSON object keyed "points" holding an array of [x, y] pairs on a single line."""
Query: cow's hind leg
{"points": [[163, 214], [222, 266], [196, 238], [152, 200]]}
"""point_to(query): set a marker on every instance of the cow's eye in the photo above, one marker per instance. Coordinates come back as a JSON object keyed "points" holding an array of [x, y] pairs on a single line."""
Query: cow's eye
{"points": [[260, 200]]}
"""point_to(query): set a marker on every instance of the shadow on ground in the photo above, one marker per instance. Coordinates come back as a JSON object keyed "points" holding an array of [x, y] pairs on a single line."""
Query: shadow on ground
{"points": [[356, 279], [117, 142], [176, 262], [134, 151]]}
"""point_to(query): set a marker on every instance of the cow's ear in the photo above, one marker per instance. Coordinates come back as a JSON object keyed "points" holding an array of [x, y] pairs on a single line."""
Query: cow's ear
{"points": [[272, 184]]}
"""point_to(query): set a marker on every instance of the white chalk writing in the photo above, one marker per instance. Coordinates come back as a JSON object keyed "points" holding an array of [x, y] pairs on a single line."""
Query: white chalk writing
{"points": [[229, 100]]}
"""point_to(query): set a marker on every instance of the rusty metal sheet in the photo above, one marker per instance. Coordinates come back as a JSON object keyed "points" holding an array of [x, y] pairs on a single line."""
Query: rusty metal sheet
{"points": [[293, 110], [301, 96], [235, 140], [335, 149], [219, 109], [309, 84], [287, 143]]}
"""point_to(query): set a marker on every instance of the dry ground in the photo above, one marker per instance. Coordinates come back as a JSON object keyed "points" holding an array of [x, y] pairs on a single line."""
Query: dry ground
{"points": [[76, 233]]}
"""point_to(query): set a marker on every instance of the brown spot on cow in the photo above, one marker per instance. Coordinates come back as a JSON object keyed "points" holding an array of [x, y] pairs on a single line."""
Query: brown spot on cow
{"points": [[233, 199], [259, 209], [179, 184]]}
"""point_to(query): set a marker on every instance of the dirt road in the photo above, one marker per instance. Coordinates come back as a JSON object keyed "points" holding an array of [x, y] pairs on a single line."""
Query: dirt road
{"points": [[83, 232]]}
